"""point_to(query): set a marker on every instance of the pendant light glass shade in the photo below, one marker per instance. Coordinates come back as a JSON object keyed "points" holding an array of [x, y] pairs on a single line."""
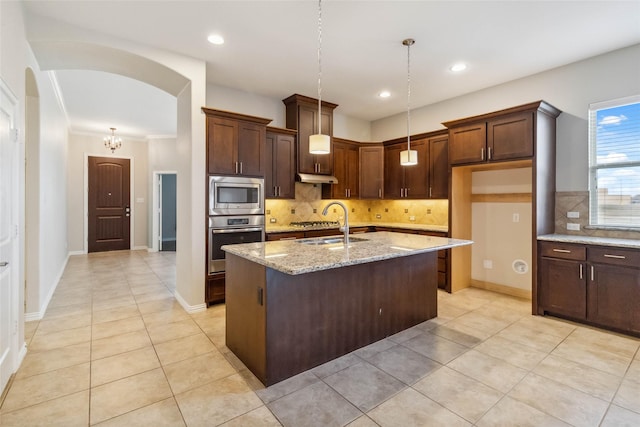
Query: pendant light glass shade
{"points": [[319, 143], [408, 157]]}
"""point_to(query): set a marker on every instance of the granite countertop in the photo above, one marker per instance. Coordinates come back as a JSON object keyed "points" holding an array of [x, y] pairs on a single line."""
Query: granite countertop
{"points": [[272, 228], [589, 240], [293, 257]]}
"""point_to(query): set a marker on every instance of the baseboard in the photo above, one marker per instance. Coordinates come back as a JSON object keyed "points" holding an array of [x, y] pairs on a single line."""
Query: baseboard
{"points": [[38, 315], [21, 355], [189, 308], [77, 253], [501, 289], [139, 248]]}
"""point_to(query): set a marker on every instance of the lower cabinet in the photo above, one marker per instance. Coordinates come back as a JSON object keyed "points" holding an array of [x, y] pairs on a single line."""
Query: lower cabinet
{"points": [[215, 290], [596, 284]]}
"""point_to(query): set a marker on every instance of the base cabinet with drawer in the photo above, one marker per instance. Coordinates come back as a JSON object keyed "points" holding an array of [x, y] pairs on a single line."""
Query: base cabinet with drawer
{"points": [[599, 285]]}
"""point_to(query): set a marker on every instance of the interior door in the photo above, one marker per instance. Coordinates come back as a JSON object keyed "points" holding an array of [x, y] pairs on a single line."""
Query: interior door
{"points": [[109, 204], [167, 222], [8, 243]]}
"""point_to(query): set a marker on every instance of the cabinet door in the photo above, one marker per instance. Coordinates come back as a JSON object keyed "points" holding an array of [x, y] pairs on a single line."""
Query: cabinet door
{"points": [[371, 172], [563, 287], [251, 149], [614, 296], [222, 137], [325, 161], [271, 168], [352, 161], [285, 166], [307, 126], [416, 177], [439, 167], [393, 172], [339, 190], [510, 137], [467, 144]]}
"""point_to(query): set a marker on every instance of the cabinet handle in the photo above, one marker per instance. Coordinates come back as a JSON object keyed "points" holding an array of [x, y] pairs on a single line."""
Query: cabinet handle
{"points": [[346, 193], [349, 192], [379, 193], [482, 154], [563, 251], [615, 256], [406, 192], [581, 272], [489, 153], [260, 296], [240, 168], [429, 191], [592, 273], [236, 168], [279, 191]]}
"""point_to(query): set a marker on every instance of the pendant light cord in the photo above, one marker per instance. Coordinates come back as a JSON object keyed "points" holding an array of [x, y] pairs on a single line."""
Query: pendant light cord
{"points": [[408, 43], [319, 67]]}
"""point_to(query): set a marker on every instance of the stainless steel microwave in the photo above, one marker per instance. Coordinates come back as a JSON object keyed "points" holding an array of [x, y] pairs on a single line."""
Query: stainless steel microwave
{"points": [[234, 195]]}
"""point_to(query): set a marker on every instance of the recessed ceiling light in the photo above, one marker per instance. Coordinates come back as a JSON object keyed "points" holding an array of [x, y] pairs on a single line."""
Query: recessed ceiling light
{"points": [[215, 39], [460, 66], [384, 94]]}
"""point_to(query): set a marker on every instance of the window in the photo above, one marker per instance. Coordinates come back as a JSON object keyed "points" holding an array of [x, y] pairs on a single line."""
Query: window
{"points": [[614, 163]]}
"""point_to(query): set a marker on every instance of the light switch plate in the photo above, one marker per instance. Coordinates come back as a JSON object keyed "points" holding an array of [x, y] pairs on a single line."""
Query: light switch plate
{"points": [[573, 227], [573, 214]]}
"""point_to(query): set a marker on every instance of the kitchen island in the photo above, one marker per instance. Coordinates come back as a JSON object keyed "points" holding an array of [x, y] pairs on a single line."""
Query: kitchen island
{"points": [[295, 304]]}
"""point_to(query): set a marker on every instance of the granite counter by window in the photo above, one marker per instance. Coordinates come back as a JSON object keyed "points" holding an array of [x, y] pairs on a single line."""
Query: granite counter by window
{"points": [[293, 257], [601, 241]]}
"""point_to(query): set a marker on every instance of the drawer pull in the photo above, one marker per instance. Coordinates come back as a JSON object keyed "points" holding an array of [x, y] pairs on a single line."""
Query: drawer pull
{"points": [[581, 271], [615, 256], [563, 251]]}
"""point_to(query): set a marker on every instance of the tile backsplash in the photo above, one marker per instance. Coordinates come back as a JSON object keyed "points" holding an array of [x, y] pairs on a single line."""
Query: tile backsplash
{"points": [[578, 202], [308, 206]]}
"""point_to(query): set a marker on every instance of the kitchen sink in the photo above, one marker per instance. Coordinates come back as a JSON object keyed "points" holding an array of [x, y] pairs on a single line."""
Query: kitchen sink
{"points": [[329, 240]]}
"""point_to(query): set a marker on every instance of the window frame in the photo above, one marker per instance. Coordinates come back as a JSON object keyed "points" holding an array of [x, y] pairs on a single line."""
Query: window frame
{"points": [[594, 167]]}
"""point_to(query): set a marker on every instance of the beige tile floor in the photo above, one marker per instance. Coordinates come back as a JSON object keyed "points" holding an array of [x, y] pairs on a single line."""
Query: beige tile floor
{"points": [[115, 349]]}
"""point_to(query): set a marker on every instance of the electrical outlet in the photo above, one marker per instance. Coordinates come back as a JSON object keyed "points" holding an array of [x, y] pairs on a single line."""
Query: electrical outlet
{"points": [[573, 227], [406, 211], [573, 214], [378, 216], [273, 220], [516, 217], [428, 211], [488, 264], [412, 218]]}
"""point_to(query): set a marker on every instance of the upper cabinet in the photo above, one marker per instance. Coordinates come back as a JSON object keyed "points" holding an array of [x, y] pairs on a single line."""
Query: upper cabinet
{"points": [[235, 143], [280, 164], [371, 171], [501, 136], [302, 115], [428, 179], [346, 168]]}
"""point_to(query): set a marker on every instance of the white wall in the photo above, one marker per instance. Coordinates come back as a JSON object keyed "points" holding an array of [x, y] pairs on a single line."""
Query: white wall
{"points": [[224, 98], [570, 88], [82, 145]]}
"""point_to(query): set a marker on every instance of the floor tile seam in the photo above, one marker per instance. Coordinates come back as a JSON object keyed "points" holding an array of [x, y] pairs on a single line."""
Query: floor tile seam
{"points": [[507, 395], [245, 413], [190, 357], [141, 407], [320, 380], [3, 412], [123, 378], [551, 353], [491, 334]]}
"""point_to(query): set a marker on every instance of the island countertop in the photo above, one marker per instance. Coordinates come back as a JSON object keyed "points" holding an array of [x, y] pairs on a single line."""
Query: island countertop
{"points": [[294, 257]]}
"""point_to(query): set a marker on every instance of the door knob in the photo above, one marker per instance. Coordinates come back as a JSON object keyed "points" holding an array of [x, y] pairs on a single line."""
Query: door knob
{"points": [[4, 264]]}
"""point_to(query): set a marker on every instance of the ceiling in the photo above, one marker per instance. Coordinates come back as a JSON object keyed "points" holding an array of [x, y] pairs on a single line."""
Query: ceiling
{"points": [[271, 50]]}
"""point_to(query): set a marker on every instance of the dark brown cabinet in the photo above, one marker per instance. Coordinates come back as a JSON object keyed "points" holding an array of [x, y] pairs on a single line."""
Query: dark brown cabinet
{"points": [[599, 285], [215, 288], [439, 167], [345, 168], [280, 164], [509, 137], [406, 182], [302, 115], [371, 185], [235, 143]]}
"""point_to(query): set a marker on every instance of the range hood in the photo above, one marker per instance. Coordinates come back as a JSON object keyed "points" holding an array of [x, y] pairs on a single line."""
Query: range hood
{"points": [[310, 178]]}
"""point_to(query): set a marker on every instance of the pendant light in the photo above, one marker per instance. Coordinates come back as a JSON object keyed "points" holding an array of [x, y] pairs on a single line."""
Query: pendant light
{"points": [[408, 157], [319, 143], [112, 142]]}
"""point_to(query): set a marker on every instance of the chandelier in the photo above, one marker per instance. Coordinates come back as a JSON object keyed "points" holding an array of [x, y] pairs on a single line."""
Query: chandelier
{"points": [[112, 142], [319, 143]]}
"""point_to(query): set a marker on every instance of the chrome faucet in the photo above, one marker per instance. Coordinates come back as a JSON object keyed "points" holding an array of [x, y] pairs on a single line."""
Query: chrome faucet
{"points": [[345, 228]]}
